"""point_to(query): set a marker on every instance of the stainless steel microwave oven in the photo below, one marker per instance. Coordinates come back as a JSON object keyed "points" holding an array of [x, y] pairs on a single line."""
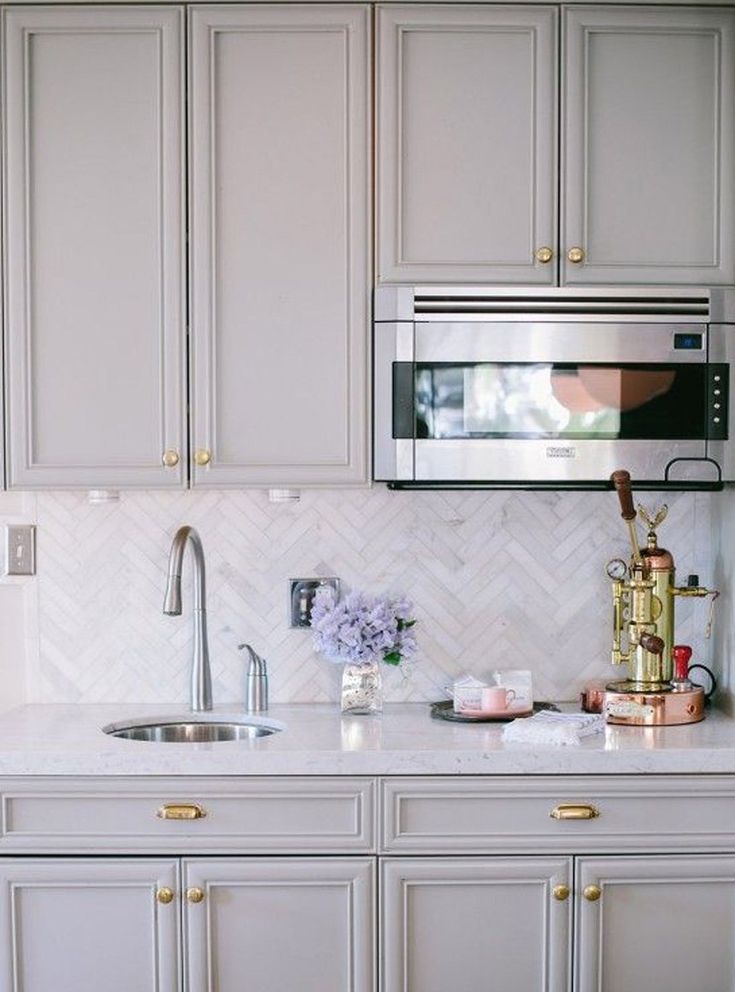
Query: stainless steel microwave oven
{"points": [[478, 387]]}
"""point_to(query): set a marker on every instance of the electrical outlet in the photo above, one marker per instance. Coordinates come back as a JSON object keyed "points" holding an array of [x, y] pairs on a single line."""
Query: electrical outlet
{"points": [[301, 598], [20, 547]]}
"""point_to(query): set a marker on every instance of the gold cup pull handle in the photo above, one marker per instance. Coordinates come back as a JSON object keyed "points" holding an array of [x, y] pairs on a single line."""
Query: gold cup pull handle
{"points": [[195, 894], [181, 811], [574, 811], [592, 893]]}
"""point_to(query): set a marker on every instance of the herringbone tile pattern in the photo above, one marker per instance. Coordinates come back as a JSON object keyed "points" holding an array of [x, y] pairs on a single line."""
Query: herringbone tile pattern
{"points": [[499, 580]]}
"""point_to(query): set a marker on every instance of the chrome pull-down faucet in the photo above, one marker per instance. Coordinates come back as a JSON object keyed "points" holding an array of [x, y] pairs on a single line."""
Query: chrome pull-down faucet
{"points": [[201, 678]]}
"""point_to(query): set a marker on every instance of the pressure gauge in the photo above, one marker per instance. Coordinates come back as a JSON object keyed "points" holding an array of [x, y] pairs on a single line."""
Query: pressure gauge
{"points": [[617, 569]]}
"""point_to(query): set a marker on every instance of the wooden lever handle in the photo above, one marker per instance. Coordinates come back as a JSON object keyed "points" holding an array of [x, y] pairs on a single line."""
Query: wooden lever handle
{"points": [[652, 643], [621, 481]]}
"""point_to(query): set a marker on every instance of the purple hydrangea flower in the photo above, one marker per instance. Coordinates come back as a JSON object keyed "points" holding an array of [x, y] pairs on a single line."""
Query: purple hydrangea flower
{"points": [[360, 629]]}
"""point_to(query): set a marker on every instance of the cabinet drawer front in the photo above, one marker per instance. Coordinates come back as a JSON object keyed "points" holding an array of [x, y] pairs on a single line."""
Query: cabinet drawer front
{"points": [[483, 815], [235, 815]]}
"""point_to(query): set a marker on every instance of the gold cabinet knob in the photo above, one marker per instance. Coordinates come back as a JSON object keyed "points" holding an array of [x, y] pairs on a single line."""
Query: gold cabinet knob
{"points": [[170, 458], [576, 255], [195, 894], [560, 892], [544, 255], [202, 456], [181, 811], [574, 811], [592, 893], [165, 895]]}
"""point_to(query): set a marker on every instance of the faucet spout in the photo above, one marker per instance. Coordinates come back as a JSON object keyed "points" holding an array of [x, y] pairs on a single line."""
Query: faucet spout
{"points": [[201, 678]]}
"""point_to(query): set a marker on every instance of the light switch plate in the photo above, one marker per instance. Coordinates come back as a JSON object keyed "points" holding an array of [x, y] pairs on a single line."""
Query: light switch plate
{"points": [[301, 598], [20, 549]]}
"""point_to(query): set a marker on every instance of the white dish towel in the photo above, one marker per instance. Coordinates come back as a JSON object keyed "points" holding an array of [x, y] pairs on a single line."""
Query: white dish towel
{"points": [[553, 728]]}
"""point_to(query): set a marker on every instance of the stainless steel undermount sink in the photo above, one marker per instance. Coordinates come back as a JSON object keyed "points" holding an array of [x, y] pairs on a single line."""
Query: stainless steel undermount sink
{"points": [[190, 729]]}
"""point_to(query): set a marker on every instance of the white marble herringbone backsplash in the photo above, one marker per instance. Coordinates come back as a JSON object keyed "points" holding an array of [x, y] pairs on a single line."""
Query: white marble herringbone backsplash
{"points": [[505, 579]]}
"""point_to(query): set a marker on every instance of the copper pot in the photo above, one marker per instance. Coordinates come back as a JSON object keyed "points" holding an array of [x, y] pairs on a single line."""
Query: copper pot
{"points": [[592, 696]]}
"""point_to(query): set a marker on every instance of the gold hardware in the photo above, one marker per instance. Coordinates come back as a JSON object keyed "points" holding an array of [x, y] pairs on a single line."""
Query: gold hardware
{"points": [[165, 896], [575, 255], [560, 892], [202, 456], [181, 811], [170, 458], [574, 811], [195, 894], [544, 255], [592, 893]]}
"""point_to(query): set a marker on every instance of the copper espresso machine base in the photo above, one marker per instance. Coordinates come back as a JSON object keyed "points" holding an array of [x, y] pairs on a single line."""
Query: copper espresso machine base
{"points": [[652, 708]]}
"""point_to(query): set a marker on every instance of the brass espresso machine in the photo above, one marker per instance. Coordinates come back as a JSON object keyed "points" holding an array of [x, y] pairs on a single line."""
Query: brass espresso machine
{"points": [[657, 690]]}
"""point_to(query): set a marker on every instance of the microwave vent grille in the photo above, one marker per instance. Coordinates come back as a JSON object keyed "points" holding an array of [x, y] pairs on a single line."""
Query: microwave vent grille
{"points": [[483, 302]]}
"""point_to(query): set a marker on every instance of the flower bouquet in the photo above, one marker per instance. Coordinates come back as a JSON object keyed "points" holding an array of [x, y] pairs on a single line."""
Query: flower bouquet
{"points": [[360, 632]]}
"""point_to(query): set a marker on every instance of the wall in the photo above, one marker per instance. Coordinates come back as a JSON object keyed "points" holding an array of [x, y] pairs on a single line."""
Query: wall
{"points": [[723, 565], [18, 610], [505, 579]]}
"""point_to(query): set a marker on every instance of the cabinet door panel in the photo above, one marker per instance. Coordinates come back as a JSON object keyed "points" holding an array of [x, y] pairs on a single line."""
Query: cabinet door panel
{"points": [[660, 923], [649, 171], [474, 924], [280, 259], [466, 133], [84, 925], [94, 246], [285, 924]]}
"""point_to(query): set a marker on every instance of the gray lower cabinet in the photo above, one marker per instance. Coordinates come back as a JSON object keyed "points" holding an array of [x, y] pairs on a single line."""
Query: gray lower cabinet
{"points": [[290, 925], [469, 924], [80, 925], [659, 923], [93, 150], [280, 233]]}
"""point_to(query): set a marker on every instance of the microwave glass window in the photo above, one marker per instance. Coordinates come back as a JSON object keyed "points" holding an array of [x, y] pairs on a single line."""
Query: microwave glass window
{"points": [[607, 402]]}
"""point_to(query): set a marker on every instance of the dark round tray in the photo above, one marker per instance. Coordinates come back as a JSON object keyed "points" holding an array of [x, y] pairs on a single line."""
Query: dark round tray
{"points": [[444, 710]]}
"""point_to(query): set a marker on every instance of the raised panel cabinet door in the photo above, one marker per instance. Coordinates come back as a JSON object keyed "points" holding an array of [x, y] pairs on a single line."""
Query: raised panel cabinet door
{"points": [[656, 923], [82, 925], [94, 246], [282, 925], [467, 115], [649, 146], [468, 924], [280, 258]]}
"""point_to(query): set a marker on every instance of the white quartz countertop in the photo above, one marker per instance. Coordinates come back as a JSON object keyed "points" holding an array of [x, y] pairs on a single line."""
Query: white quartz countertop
{"points": [[405, 740]]}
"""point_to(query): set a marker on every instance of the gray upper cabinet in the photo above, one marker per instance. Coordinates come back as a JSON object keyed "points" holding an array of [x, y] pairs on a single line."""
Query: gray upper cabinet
{"points": [[649, 145], [94, 246], [467, 115], [280, 260], [468, 149]]}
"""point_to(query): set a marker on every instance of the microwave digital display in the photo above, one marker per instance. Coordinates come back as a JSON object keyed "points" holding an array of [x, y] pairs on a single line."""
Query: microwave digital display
{"points": [[560, 401]]}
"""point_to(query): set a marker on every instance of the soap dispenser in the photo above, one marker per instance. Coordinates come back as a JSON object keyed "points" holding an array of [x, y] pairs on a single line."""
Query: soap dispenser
{"points": [[256, 682]]}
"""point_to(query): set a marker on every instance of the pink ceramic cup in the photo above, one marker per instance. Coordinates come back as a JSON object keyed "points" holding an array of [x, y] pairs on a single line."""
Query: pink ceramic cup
{"points": [[495, 698]]}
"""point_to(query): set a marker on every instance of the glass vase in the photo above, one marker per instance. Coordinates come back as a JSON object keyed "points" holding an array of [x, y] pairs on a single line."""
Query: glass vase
{"points": [[362, 688]]}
